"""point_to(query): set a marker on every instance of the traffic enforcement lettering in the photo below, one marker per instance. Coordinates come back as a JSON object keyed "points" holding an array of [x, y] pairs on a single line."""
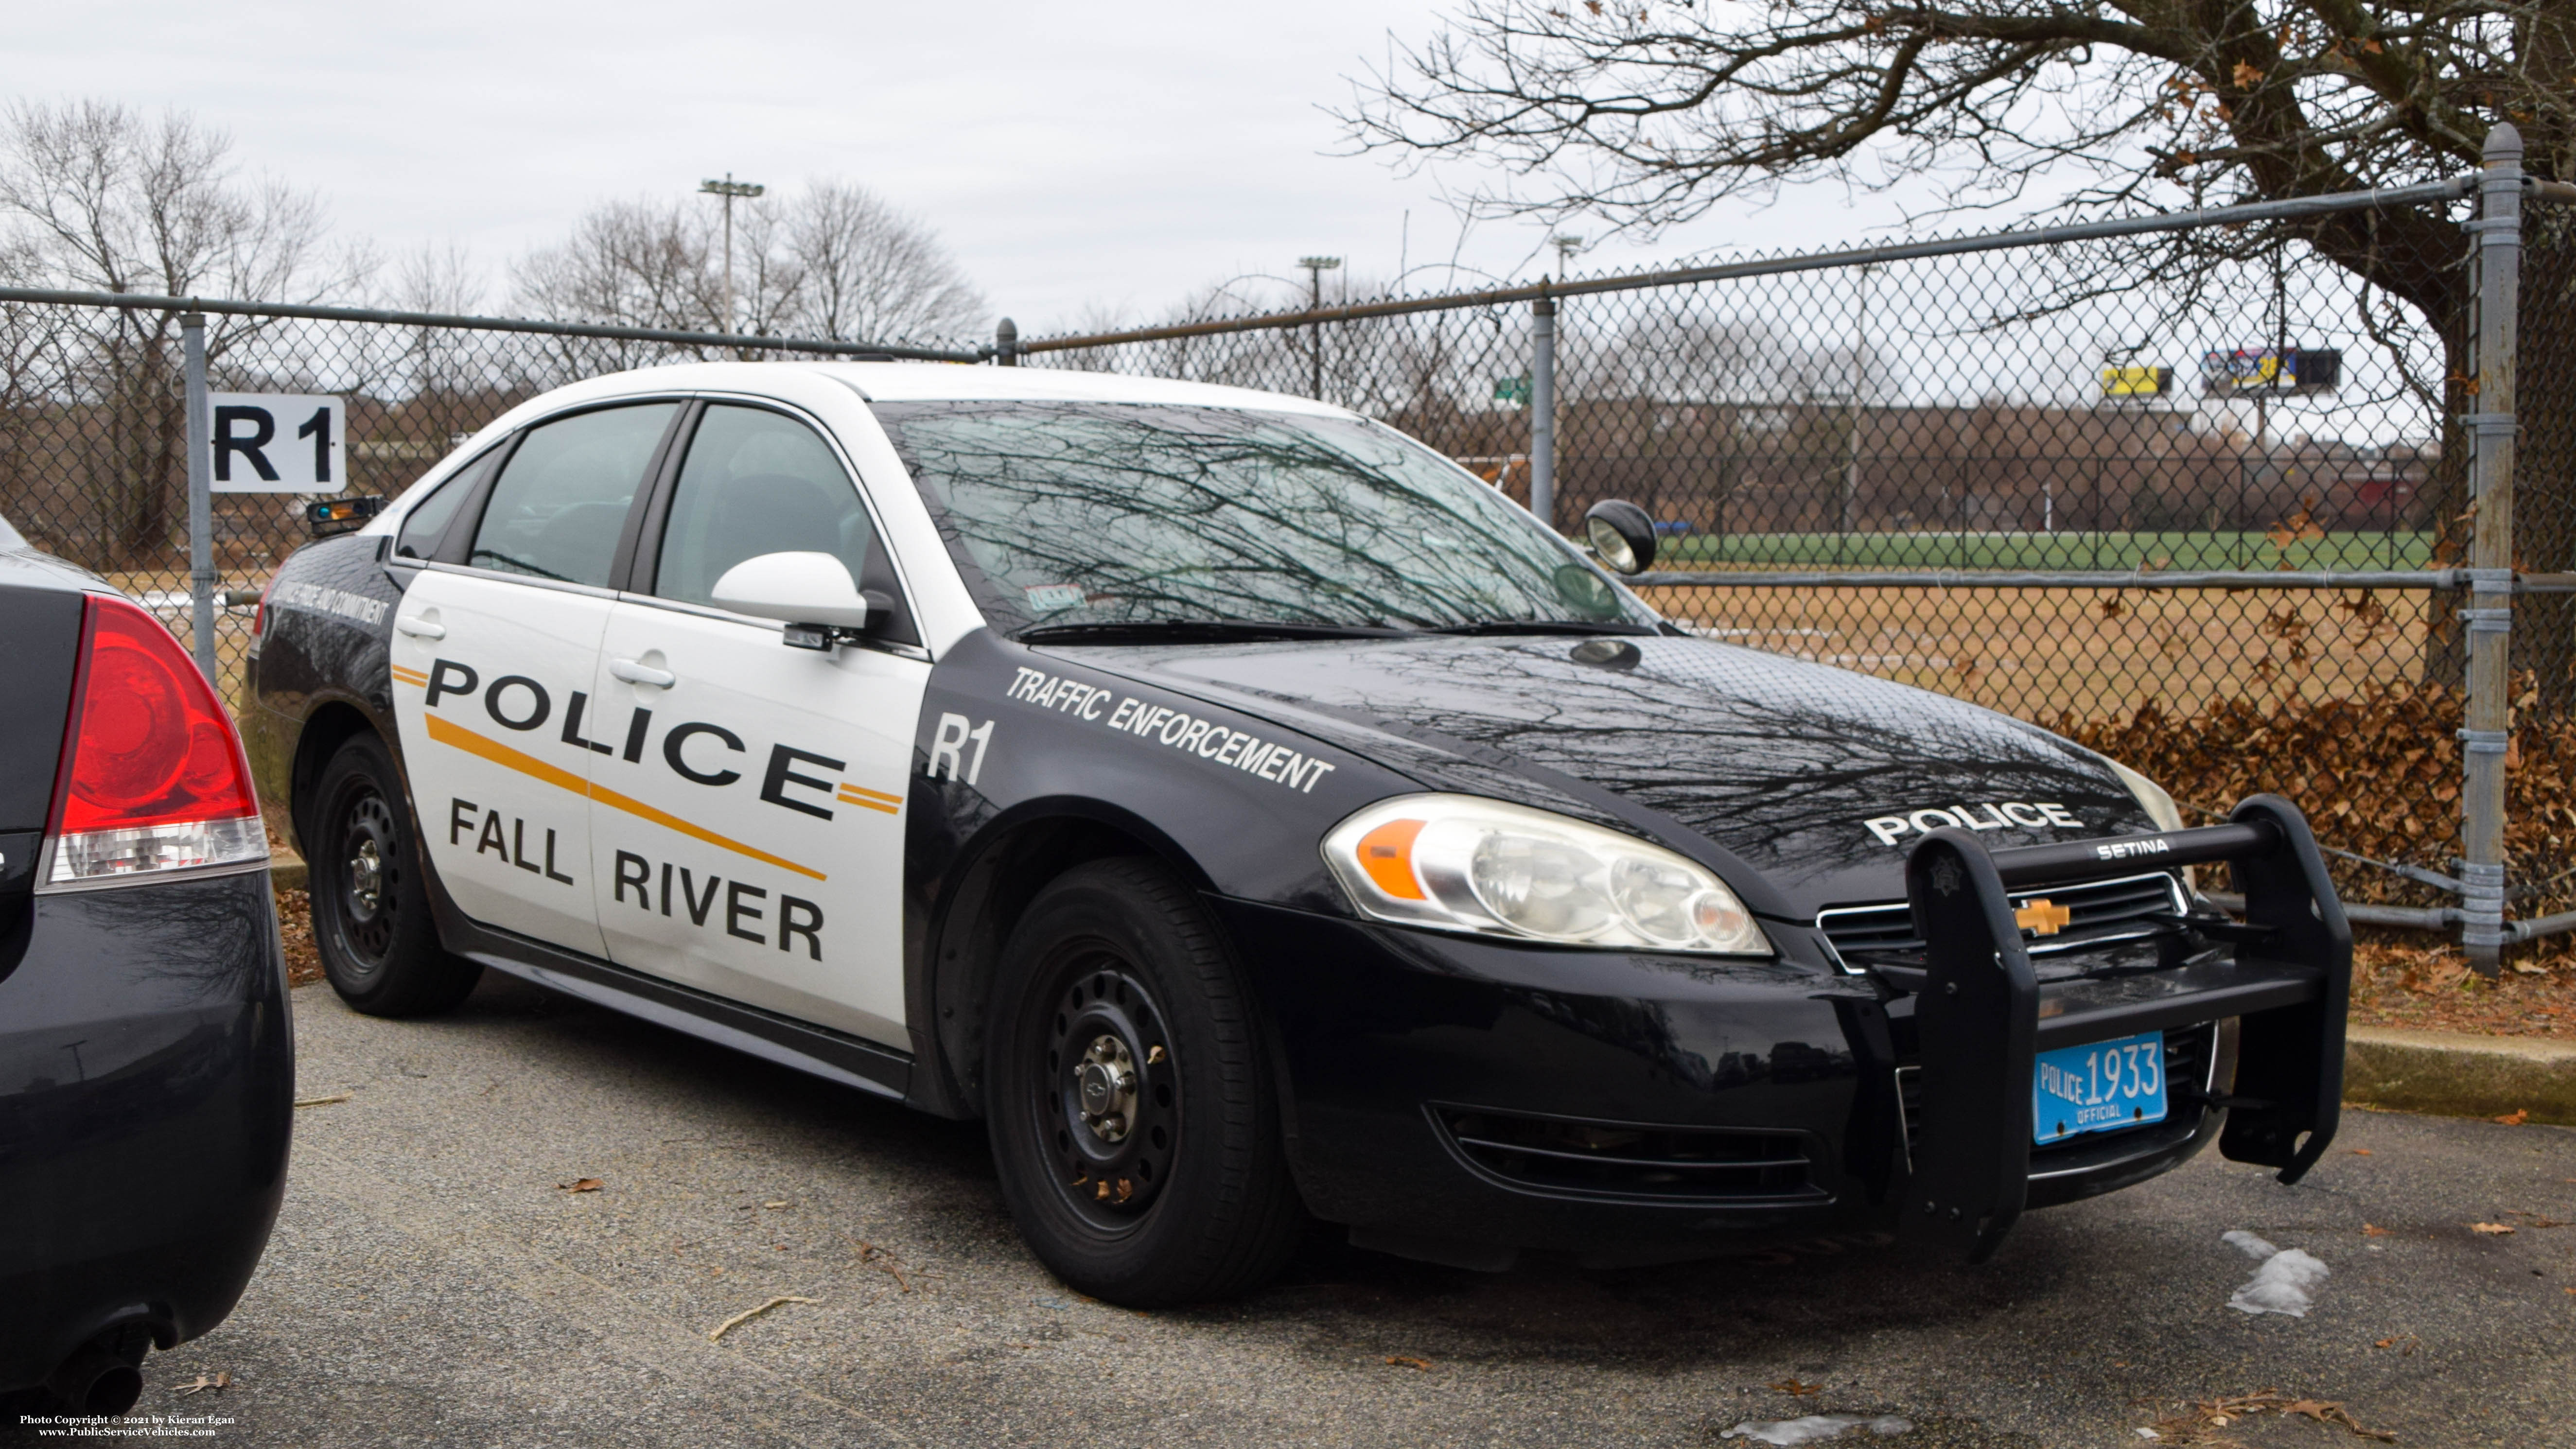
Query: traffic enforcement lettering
{"points": [[329, 601], [1999, 815], [1177, 729]]}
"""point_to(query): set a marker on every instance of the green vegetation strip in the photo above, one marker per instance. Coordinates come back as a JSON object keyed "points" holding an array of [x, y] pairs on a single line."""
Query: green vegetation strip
{"points": [[2245, 549]]}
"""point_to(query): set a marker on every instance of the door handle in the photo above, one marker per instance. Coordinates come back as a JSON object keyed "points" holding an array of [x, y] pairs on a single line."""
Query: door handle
{"points": [[634, 673], [420, 628]]}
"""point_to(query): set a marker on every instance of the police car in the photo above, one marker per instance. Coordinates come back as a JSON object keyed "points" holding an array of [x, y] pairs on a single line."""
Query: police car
{"points": [[1253, 817]]}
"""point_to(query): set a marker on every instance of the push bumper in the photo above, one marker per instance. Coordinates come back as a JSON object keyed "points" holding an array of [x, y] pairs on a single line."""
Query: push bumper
{"points": [[1981, 1023], [1462, 1100]]}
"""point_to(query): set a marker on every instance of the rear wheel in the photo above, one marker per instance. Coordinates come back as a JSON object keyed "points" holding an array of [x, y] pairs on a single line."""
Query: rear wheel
{"points": [[1132, 1114], [371, 920]]}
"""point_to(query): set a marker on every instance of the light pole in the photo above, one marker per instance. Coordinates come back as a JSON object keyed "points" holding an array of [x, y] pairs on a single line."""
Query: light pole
{"points": [[729, 189], [1316, 267]]}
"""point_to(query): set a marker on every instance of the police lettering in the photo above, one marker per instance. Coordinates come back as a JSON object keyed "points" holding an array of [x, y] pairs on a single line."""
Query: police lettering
{"points": [[1998, 815], [695, 750]]}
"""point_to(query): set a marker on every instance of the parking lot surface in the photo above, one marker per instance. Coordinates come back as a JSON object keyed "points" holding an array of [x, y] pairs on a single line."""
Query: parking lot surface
{"points": [[442, 1274]]}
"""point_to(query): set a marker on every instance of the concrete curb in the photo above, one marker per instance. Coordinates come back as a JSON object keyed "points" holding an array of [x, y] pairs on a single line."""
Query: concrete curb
{"points": [[285, 869], [2452, 1075]]}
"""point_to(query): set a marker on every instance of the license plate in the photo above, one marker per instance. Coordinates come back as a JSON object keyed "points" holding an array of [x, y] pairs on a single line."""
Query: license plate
{"points": [[2098, 1087]]}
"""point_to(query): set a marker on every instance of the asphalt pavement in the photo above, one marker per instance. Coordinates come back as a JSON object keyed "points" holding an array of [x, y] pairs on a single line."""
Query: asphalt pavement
{"points": [[438, 1278]]}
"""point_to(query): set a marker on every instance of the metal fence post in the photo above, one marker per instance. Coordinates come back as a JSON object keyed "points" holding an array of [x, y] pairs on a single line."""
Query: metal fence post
{"points": [[2498, 233], [201, 503], [1542, 444], [1006, 343]]}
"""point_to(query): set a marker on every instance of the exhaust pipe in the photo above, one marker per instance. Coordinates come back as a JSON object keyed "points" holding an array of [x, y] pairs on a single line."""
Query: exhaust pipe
{"points": [[96, 1381]]}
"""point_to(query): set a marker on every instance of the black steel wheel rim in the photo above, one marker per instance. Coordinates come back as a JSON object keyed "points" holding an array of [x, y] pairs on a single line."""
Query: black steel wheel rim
{"points": [[1108, 1097], [368, 869]]}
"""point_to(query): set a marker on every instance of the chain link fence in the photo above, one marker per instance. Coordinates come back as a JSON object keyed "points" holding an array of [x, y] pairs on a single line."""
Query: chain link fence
{"points": [[2159, 483], [2123, 476], [2001, 472], [93, 423]]}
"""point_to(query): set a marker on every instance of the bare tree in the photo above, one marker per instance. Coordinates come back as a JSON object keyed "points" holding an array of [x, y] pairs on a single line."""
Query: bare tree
{"points": [[1647, 115], [831, 261], [863, 269], [97, 196]]}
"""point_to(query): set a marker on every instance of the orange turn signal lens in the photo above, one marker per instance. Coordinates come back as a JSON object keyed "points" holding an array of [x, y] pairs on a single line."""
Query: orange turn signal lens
{"points": [[1386, 853]]}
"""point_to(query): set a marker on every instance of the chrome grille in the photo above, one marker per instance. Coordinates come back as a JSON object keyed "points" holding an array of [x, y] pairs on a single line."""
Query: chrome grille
{"points": [[2099, 911]]}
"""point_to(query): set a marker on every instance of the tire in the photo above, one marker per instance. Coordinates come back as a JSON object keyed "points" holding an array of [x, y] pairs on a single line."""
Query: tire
{"points": [[1169, 1183], [371, 916]]}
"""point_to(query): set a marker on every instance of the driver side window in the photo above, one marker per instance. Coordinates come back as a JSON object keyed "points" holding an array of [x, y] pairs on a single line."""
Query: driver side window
{"points": [[756, 482]]}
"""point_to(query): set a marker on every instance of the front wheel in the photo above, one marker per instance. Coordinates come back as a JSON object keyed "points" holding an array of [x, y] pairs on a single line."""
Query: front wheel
{"points": [[371, 921], [1132, 1114]]}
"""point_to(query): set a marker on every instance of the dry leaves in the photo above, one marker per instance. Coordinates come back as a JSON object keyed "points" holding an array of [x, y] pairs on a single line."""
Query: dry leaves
{"points": [[581, 1184], [203, 1382], [748, 1314], [2372, 1230], [1792, 1386], [2516, 1117], [335, 1097], [1401, 1360], [2492, 1230], [2198, 1424]]}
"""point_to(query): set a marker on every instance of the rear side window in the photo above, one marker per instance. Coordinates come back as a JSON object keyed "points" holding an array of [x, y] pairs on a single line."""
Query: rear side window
{"points": [[756, 482], [561, 501], [427, 523]]}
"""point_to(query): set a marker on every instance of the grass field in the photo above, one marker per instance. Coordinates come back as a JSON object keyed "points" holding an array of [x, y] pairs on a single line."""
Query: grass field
{"points": [[2206, 550]]}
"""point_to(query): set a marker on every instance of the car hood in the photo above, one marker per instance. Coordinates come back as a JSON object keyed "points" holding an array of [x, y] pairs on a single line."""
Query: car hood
{"points": [[1778, 762]]}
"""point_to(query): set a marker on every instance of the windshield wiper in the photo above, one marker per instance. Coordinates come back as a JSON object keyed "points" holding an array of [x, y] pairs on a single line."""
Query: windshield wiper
{"points": [[1541, 626], [1196, 631]]}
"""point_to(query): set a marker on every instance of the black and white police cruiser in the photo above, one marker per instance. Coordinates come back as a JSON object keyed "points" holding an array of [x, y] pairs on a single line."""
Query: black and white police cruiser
{"points": [[1254, 817]]}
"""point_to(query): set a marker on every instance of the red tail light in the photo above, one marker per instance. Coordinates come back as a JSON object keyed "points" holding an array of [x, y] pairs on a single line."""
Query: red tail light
{"points": [[152, 777]]}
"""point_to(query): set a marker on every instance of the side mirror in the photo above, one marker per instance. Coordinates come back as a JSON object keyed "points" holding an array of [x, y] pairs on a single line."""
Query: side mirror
{"points": [[1622, 534], [812, 593]]}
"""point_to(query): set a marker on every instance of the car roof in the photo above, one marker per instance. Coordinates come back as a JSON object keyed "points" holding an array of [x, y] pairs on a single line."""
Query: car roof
{"points": [[957, 382]]}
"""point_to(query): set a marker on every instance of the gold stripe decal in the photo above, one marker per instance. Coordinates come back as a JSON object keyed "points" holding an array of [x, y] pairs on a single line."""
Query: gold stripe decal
{"points": [[448, 733], [409, 676], [869, 799]]}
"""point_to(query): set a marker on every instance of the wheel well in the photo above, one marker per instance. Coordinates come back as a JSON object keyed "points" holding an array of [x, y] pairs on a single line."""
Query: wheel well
{"points": [[330, 727], [992, 894]]}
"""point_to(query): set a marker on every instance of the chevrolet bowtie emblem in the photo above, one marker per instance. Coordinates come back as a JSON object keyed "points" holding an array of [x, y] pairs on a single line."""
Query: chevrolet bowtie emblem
{"points": [[2043, 917]]}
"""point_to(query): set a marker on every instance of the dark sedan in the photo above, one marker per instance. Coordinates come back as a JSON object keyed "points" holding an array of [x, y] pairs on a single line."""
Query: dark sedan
{"points": [[146, 1066]]}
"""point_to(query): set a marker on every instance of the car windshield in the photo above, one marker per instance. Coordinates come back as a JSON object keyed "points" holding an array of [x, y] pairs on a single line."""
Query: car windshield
{"points": [[1067, 515]]}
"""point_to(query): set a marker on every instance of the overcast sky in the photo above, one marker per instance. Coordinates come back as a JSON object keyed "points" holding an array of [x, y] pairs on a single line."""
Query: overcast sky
{"points": [[1079, 161]]}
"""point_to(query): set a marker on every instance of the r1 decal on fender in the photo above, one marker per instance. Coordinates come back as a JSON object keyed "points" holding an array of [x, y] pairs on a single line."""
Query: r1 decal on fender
{"points": [[956, 732]]}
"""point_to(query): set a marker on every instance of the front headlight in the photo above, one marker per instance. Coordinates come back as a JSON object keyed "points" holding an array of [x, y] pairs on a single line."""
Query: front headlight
{"points": [[1459, 863], [2152, 798]]}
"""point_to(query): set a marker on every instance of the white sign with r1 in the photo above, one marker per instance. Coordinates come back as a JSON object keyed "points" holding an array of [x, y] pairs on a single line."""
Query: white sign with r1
{"points": [[278, 442]]}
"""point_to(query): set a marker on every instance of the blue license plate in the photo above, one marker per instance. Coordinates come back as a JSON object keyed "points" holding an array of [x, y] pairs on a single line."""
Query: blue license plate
{"points": [[2100, 1086]]}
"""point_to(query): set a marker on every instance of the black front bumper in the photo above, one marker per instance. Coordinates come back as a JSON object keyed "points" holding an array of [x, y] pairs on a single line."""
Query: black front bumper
{"points": [[1463, 1100], [146, 1087]]}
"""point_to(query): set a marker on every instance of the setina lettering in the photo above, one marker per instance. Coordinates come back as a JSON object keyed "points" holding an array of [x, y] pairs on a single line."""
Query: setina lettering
{"points": [[1175, 729]]}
